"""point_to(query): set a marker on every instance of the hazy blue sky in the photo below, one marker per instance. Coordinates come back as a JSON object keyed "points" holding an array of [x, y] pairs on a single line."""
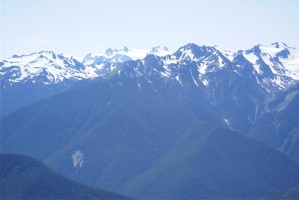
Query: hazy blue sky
{"points": [[79, 27]]}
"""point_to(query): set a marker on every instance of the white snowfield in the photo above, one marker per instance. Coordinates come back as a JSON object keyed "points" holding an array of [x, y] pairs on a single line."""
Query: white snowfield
{"points": [[77, 158], [283, 66], [121, 55], [278, 59]]}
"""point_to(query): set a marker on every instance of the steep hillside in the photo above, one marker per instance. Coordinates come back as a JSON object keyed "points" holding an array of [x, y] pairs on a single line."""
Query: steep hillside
{"points": [[137, 140], [214, 163], [22, 177], [279, 125]]}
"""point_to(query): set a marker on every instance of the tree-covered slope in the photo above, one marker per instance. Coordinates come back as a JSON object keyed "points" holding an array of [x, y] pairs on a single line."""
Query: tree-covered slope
{"points": [[215, 163], [153, 141], [22, 177]]}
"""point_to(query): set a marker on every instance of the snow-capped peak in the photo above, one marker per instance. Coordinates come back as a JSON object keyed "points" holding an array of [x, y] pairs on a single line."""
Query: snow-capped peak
{"points": [[228, 54], [70, 56], [278, 62], [24, 60], [279, 45], [126, 49], [48, 66], [193, 51], [124, 54], [160, 51], [109, 51], [281, 59]]}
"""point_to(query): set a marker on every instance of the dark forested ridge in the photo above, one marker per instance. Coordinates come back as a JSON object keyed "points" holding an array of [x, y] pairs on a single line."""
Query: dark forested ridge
{"points": [[22, 177]]}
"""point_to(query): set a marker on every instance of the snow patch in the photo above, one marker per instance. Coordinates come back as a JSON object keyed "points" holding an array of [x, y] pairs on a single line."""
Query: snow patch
{"points": [[226, 121], [286, 101], [205, 82], [77, 158], [178, 79], [202, 67], [253, 59], [229, 55], [193, 78]]}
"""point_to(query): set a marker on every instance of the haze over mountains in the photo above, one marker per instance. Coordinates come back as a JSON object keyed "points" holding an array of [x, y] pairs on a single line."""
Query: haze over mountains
{"points": [[201, 122]]}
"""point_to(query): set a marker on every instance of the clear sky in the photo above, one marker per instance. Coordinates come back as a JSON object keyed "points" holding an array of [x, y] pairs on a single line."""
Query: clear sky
{"points": [[81, 26]]}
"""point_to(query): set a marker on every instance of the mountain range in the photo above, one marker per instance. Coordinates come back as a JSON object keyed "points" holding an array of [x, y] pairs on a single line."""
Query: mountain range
{"points": [[276, 62], [201, 122], [273, 68]]}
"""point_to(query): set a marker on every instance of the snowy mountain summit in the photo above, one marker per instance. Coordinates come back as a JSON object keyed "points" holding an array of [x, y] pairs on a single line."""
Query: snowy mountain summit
{"points": [[45, 67], [272, 66], [124, 54], [277, 61]]}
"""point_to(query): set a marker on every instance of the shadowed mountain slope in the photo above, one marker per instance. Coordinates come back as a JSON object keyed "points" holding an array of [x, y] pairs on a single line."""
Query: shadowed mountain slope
{"points": [[22, 177]]}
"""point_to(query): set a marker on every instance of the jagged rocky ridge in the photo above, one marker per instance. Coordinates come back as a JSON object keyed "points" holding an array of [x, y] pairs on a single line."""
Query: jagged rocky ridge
{"points": [[272, 65]]}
